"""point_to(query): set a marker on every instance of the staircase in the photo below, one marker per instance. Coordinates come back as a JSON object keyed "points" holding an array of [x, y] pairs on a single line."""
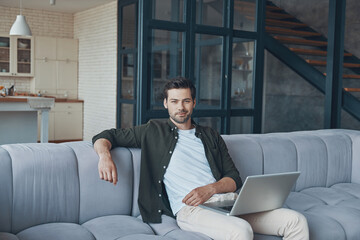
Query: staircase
{"points": [[304, 50]]}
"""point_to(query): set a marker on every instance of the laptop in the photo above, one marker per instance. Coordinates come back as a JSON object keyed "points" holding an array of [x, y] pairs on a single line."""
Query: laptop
{"points": [[259, 193]]}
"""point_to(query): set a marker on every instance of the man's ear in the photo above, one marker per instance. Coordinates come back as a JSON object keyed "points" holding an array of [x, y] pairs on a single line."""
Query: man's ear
{"points": [[194, 102], [165, 103]]}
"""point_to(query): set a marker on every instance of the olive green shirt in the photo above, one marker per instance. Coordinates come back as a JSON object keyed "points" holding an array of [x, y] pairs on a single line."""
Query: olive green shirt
{"points": [[157, 140]]}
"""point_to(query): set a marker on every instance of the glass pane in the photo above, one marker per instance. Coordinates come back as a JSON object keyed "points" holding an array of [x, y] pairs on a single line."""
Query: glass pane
{"points": [[290, 102], [168, 10], [127, 115], [24, 55], [242, 73], [210, 12], [244, 15], [5, 54], [240, 125], [208, 57], [129, 27], [213, 122], [128, 73], [166, 62], [348, 121]]}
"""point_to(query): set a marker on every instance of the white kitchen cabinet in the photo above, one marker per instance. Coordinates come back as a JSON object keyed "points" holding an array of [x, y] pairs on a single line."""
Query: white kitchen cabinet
{"points": [[16, 56], [67, 75], [56, 70], [45, 77], [65, 121], [66, 49], [45, 48], [68, 121]]}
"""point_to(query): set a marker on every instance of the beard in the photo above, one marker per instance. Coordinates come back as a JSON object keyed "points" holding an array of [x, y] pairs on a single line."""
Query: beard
{"points": [[179, 119]]}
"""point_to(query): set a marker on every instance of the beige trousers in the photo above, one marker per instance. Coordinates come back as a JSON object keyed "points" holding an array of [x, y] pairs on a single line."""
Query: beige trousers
{"points": [[287, 223]]}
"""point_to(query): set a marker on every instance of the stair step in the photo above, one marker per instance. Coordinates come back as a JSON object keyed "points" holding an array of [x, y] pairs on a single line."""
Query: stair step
{"points": [[274, 15], [313, 52], [352, 89], [253, 5], [285, 31], [282, 23], [349, 76], [298, 41], [323, 63]]}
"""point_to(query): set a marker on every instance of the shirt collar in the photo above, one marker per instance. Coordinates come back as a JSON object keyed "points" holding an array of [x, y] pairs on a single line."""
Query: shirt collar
{"points": [[174, 127]]}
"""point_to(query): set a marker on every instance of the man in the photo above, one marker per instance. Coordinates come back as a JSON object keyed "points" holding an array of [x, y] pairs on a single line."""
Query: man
{"points": [[184, 165]]}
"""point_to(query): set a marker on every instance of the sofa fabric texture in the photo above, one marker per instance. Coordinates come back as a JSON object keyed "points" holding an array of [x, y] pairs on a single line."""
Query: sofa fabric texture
{"points": [[53, 191]]}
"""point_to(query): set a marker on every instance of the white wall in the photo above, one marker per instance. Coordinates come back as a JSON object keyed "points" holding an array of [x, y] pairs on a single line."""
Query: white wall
{"points": [[96, 30]]}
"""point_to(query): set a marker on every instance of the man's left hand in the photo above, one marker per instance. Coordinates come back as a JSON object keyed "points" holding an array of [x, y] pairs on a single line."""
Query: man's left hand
{"points": [[199, 195]]}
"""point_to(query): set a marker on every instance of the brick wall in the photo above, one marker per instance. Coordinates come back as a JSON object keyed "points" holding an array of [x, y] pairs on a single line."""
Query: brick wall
{"points": [[42, 23], [96, 30]]}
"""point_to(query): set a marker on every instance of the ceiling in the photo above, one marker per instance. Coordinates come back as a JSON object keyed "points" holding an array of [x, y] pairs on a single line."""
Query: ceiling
{"points": [[64, 6]]}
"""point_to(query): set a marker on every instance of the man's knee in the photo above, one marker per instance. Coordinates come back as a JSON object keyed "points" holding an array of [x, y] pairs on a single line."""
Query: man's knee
{"points": [[241, 231], [297, 226]]}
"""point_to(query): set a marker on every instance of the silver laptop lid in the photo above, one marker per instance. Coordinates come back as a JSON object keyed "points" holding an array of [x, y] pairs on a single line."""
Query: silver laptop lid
{"points": [[264, 192]]}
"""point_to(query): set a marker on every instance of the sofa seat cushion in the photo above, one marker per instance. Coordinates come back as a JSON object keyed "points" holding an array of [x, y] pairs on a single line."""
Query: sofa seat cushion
{"points": [[116, 226], [143, 237], [332, 213], [56, 231], [8, 236]]}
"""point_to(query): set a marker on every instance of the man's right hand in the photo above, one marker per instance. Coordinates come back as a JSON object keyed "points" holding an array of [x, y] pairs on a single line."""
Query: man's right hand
{"points": [[106, 166]]}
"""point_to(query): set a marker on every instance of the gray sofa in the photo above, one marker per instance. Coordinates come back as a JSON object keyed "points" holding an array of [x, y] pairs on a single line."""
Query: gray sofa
{"points": [[53, 191]]}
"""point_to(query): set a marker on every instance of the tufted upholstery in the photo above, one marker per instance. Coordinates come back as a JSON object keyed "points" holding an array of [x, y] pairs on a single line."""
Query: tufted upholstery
{"points": [[53, 191], [327, 191]]}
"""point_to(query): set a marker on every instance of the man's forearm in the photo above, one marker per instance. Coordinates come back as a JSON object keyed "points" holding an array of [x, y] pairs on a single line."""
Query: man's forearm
{"points": [[102, 146], [224, 185], [106, 166], [202, 194]]}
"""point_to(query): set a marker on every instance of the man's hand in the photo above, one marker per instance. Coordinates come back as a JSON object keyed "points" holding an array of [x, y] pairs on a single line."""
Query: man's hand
{"points": [[202, 194], [107, 169], [199, 195], [106, 166]]}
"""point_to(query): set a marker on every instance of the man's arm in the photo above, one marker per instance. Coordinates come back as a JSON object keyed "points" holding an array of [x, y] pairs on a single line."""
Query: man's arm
{"points": [[106, 166], [202, 194]]}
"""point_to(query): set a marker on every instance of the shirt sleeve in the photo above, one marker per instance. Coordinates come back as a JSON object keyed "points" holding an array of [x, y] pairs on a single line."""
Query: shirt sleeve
{"points": [[228, 166], [123, 137]]}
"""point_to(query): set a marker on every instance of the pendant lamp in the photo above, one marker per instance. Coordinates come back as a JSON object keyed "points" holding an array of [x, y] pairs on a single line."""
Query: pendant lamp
{"points": [[20, 26]]}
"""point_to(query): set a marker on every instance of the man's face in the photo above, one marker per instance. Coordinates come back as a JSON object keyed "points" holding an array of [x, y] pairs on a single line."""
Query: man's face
{"points": [[179, 104]]}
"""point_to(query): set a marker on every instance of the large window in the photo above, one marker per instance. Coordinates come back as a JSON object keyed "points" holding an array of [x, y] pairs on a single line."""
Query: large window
{"points": [[209, 41]]}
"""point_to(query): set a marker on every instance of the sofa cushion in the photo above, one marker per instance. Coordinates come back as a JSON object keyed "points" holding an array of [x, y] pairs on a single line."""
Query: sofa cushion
{"points": [[116, 226], [143, 237], [8, 236], [99, 197], [45, 184], [56, 231], [6, 186], [332, 213]]}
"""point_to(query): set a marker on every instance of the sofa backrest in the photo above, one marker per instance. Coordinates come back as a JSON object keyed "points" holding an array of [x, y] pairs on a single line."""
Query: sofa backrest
{"points": [[323, 157], [43, 183], [98, 197]]}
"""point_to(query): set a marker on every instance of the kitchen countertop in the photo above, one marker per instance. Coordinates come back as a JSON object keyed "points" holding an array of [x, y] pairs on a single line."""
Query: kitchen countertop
{"points": [[24, 99]]}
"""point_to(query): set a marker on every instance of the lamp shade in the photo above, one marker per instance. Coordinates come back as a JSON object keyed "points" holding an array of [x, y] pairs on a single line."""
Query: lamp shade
{"points": [[20, 27]]}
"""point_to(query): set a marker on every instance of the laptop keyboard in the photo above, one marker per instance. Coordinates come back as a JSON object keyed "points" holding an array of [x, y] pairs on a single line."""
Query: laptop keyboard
{"points": [[227, 208]]}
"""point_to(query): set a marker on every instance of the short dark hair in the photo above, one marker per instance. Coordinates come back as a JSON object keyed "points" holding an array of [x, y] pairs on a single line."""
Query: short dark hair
{"points": [[178, 83]]}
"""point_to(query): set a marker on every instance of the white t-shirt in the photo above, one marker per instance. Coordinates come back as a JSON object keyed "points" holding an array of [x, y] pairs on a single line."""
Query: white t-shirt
{"points": [[187, 170]]}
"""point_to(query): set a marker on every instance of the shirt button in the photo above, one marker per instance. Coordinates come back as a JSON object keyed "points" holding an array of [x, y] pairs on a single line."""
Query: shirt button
{"points": [[176, 137], [159, 181], [159, 195], [164, 167], [170, 152], [159, 211]]}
